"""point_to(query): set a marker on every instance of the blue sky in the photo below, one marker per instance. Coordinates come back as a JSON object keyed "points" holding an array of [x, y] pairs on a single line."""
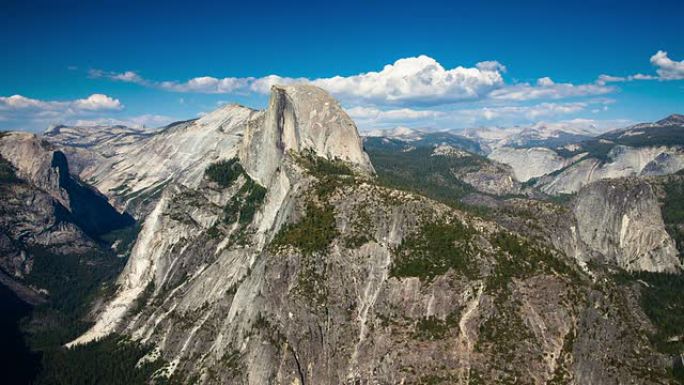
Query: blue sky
{"points": [[453, 64]]}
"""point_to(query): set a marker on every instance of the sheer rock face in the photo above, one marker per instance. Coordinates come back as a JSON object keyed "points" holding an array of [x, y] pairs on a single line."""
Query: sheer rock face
{"points": [[33, 160], [300, 118], [622, 220], [558, 175], [623, 161], [530, 163]]}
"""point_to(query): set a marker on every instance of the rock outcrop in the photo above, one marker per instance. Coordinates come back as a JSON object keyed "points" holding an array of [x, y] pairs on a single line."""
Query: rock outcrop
{"points": [[44, 208], [621, 220], [300, 118], [302, 269], [528, 163]]}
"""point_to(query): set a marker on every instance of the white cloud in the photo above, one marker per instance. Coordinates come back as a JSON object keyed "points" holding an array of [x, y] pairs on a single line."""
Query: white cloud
{"points": [[98, 102], [127, 76], [34, 114], [668, 69], [605, 79], [94, 102], [206, 84], [417, 80], [546, 88]]}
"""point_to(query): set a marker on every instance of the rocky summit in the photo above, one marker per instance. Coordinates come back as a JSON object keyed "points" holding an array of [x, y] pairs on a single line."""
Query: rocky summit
{"points": [[280, 247]]}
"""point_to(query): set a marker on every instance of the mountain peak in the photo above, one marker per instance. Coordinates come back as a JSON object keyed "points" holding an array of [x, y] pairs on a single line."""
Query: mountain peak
{"points": [[674, 119], [301, 117]]}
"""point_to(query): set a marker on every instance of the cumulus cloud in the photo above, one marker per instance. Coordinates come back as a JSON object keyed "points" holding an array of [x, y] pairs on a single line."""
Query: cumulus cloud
{"points": [[31, 114], [668, 69], [546, 88], [417, 80], [97, 102], [94, 102]]}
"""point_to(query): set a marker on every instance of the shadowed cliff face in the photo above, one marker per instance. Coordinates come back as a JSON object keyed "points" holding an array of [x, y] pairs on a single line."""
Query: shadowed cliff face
{"points": [[89, 209]]}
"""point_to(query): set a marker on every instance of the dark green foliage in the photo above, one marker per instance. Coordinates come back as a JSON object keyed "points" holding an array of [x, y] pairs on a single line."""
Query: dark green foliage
{"points": [[111, 360], [123, 238], [322, 167], [331, 174], [361, 229], [521, 258], [17, 363], [419, 172], [143, 298], [426, 140], [7, 172], [596, 149], [213, 232], [73, 281], [224, 172], [433, 328], [673, 212], [663, 302], [313, 233], [601, 146], [433, 250], [244, 205], [652, 136], [503, 331]]}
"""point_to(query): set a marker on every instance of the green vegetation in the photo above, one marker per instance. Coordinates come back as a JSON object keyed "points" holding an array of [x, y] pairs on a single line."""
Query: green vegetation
{"points": [[673, 212], [244, 205], [662, 301], [322, 167], [313, 233], [520, 258], [504, 331], [419, 172], [111, 360], [433, 328], [224, 172], [361, 229], [434, 249], [72, 281], [596, 149], [330, 174], [122, 239], [143, 298]]}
